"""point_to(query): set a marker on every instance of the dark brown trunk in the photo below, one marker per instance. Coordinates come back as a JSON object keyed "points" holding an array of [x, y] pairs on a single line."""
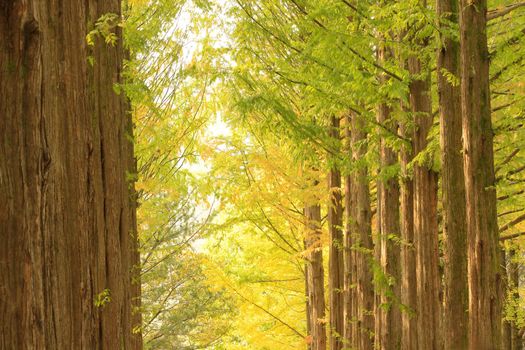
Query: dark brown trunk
{"points": [[455, 325], [484, 269], [315, 278], [426, 242], [67, 222], [336, 263]]}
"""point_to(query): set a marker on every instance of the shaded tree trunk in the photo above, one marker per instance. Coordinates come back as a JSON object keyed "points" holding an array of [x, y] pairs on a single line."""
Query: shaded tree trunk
{"points": [[336, 262], [315, 277], [484, 269], [455, 325], [68, 237]]}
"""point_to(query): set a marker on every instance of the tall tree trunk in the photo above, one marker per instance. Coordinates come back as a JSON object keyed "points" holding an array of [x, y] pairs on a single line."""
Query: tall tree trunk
{"points": [[308, 304], [388, 313], [315, 275], [68, 242], [408, 254], [426, 240], [336, 263], [362, 231], [455, 326], [482, 226], [350, 277], [351, 298]]}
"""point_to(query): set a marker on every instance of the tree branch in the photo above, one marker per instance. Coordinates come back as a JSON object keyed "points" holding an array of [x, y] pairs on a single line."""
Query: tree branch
{"points": [[493, 14]]}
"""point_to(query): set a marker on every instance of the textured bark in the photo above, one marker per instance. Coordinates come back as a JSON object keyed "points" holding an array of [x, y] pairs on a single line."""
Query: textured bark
{"points": [[315, 277], [484, 272], [350, 274], [455, 325], [361, 229], [308, 304], [336, 262], [426, 242], [67, 222], [408, 254], [388, 319]]}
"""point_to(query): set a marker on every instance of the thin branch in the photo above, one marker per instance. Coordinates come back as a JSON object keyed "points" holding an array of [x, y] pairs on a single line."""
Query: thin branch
{"points": [[512, 223], [512, 236], [493, 14]]}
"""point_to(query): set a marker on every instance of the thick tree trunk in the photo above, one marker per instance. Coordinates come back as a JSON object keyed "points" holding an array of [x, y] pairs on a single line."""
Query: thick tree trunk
{"points": [[408, 253], [484, 269], [388, 313], [336, 263], [361, 229], [315, 277], [67, 222], [455, 326], [426, 240]]}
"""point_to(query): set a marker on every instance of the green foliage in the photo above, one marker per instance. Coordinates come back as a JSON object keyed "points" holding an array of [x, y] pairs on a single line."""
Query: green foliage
{"points": [[232, 103], [104, 28], [102, 298]]}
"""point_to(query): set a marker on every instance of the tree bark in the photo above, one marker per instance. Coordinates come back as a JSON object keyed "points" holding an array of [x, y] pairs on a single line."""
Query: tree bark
{"points": [[336, 263], [455, 326], [315, 275], [350, 278], [484, 269], [408, 254], [388, 313], [360, 224], [67, 222], [426, 241]]}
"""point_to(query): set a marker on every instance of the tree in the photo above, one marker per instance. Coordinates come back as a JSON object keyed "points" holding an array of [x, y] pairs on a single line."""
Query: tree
{"points": [[455, 322], [482, 227], [68, 233], [361, 220], [426, 242], [315, 276], [388, 314], [336, 262]]}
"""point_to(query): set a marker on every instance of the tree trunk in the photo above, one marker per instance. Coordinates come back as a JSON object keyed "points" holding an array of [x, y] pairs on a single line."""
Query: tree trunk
{"points": [[408, 254], [388, 313], [315, 277], [453, 186], [308, 304], [426, 241], [362, 231], [350, 277], [484, 269], [336, 263], [68, 216]]}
